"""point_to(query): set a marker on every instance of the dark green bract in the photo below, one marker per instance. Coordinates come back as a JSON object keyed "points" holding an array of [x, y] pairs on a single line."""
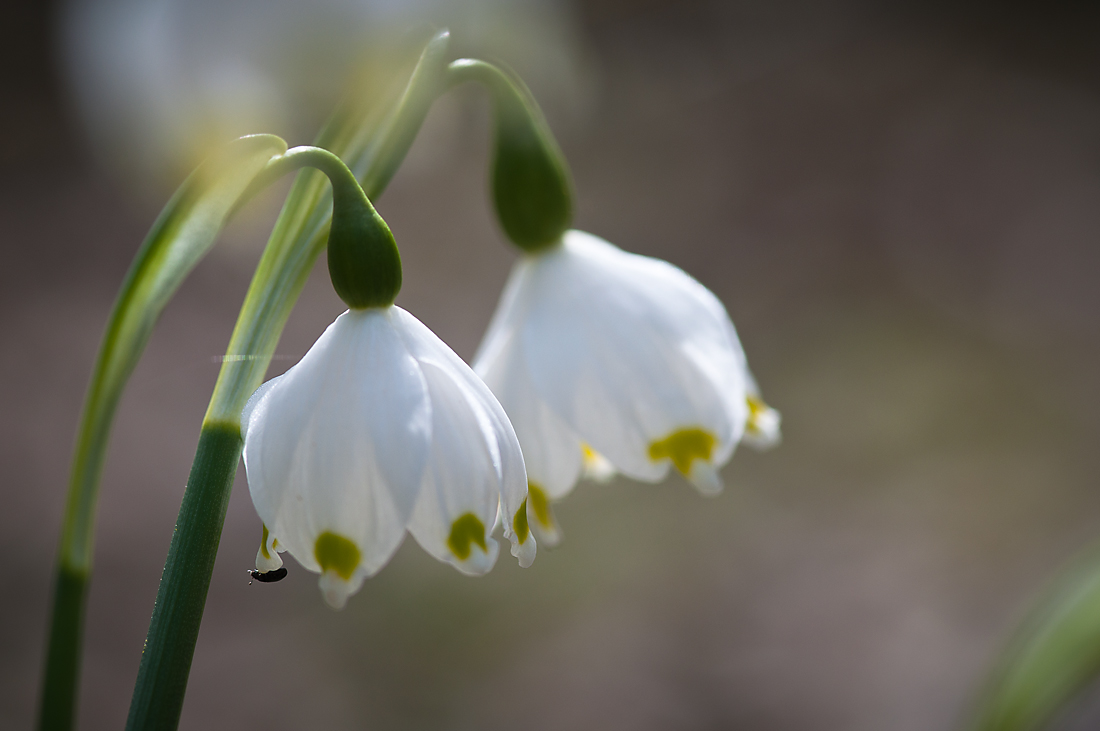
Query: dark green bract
{"points": [[532, 191], [530, 187], [363, 260]]}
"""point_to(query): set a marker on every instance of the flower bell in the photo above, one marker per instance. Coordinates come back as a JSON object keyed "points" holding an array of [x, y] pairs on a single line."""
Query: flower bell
{"points": [[605, 359], [378, 430]]}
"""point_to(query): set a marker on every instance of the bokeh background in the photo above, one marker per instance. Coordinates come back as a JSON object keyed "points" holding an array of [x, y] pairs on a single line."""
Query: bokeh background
{"points": [[899, 203]]}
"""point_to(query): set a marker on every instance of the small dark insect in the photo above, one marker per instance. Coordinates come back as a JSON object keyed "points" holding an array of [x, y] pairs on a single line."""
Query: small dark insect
{"points": [[267, 577]]}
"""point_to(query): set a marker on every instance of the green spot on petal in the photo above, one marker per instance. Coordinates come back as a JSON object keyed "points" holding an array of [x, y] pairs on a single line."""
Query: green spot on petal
{"points": [[466, 529], [336, 553], [540, 503], [683, 447], [757, 409], [519, 523], [263, 543]]}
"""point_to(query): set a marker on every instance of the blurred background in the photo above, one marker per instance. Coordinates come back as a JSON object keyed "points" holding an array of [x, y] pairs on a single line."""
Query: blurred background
{"points": [[899, 203]]}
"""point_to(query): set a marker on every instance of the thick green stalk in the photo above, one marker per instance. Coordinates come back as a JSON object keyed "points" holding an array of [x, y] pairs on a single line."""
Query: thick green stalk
{"points": [[374, 153], [62, 672], [157, 702]]}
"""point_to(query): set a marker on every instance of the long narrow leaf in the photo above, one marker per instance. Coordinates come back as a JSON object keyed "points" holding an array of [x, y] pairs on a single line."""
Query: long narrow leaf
{"points": [[180, 237], [1054, 657]]}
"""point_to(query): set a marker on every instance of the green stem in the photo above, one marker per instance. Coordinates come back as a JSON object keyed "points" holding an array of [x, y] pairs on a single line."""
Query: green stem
{"points": [[298, 238], [158, 697], [63, 654]]}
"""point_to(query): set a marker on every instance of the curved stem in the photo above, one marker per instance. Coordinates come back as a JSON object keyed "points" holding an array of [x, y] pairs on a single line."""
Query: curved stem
{"points": [[374, 154]]}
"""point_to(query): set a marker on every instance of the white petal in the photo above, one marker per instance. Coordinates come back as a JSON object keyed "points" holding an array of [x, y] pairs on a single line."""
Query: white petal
{"points": [[475, 466], [762, 429], [336, 590], [551, 450], [267, 555], [253, 400], [597, 467], [524, 551], [340, 441], [508, 316], [762, 425], [461, 489], [628, 349], [704, 475], [541, 519], [267, 563]]}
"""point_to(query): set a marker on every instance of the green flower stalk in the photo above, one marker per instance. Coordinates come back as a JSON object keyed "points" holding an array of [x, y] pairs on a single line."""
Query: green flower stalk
{"points": [[374, 147], [174, 627]]}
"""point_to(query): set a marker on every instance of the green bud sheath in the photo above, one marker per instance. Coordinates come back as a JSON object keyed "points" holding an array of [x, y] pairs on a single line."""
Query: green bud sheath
{"points": [[363, 260], [530, 180], [530, 185]]}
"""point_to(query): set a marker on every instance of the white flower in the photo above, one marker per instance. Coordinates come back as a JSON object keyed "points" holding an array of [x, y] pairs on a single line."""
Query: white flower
{"points": [[606, 360], [381, 427]]}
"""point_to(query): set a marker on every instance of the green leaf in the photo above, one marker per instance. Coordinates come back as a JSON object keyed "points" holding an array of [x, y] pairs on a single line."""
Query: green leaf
{"points": [[180, 237], [183, 233], [1053, 658]]}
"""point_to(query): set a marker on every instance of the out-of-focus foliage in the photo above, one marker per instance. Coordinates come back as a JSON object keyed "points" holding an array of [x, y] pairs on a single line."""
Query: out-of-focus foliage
{"points": [[1055, 656]]}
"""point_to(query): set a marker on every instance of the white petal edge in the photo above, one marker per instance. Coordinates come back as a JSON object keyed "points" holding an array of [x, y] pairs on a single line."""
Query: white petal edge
{"points": [[495, 440]]}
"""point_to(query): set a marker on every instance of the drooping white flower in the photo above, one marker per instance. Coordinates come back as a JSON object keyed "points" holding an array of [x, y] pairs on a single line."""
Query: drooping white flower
{"points": [[379, 429], [606, 360]]}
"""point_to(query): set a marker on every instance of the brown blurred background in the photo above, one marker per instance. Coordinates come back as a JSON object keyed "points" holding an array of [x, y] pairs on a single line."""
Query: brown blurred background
{"points": [[898, 202]]}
